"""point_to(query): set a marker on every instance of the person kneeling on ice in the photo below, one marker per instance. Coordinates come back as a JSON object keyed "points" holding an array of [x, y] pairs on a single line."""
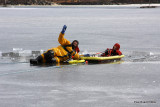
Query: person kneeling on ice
{"points": [[62, 53], [112, 52]]}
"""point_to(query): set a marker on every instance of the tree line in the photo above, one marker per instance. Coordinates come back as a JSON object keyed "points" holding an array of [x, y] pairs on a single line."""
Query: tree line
{"points": [[77, 2]]}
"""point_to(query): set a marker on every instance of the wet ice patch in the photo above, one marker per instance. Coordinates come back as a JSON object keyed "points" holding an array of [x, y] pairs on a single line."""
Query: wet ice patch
{"points": [[127, 94], [151, 53], [16, 50], [93, 94], [20, 55], [25, 53], [145, 57], [88, 100], [22, 52]]}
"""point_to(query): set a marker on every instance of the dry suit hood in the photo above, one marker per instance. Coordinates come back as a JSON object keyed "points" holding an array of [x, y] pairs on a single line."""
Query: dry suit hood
{"points": [[73, 45], [117, 45], [75, 41]]}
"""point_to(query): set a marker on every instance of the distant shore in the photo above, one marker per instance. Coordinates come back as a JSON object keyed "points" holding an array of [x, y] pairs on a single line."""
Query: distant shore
{"points": [[56, 5]]}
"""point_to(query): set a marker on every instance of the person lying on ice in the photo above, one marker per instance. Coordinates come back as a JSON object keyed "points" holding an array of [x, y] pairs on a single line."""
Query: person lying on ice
{"points": [[62, 53], [112, 52]]}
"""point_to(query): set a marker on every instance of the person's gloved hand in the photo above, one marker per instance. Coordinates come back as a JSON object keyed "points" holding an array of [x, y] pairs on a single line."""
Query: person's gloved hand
{"points": [[87, 55], [64, 29]]}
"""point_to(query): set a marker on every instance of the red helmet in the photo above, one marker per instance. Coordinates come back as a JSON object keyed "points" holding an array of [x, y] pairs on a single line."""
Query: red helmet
{"points": [[117, 45]]}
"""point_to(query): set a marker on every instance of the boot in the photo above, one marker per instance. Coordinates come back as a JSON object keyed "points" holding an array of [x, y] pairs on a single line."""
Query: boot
{"points": [[33, 61], [38, 60]]}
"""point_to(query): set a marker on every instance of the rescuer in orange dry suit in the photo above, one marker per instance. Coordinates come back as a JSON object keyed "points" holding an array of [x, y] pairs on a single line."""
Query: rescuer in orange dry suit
{"points": [[112, 52], [62, 53]]}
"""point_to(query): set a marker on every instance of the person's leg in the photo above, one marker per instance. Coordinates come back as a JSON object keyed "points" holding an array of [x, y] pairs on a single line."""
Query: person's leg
{"points": [[38, 60], [49, 57]]}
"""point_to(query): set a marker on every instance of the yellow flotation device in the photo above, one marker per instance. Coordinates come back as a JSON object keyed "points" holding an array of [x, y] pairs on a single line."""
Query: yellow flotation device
{"points": [[102, 58], [76, 61]]}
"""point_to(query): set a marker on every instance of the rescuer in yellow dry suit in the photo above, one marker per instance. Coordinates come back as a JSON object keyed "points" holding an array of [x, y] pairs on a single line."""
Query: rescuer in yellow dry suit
{"points": [[61, 53]]}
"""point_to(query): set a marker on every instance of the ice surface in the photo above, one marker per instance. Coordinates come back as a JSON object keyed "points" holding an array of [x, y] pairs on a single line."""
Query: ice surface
{"points": [[25, 53], [33, 30], [0, 54]]}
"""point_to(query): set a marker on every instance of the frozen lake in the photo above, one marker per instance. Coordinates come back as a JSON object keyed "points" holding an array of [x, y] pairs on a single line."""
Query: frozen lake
{"points": [[132, 83]]}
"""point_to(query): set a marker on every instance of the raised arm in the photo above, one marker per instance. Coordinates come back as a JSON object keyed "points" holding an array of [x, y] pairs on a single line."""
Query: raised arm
{"points": [[61, 38]]}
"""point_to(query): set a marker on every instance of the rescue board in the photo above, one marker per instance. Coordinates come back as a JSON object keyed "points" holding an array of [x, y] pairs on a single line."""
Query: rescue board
{"points": [[76, 61], [67, 62], [103, 59]]}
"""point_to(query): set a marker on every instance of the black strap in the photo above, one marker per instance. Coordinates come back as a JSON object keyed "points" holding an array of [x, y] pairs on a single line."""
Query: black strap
{"points": [[65, 48], [67, 45], [69, 53]]}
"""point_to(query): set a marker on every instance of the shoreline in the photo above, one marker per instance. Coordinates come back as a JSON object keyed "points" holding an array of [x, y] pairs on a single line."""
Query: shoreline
{"points": [[56, 5]]}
